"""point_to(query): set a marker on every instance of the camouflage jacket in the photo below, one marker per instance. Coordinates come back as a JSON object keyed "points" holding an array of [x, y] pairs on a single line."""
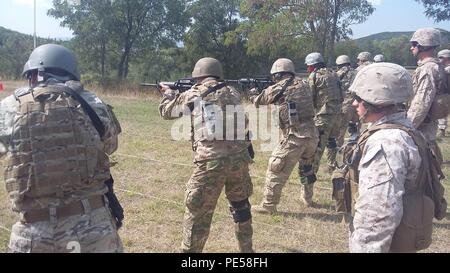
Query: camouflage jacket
{"points": [[209, 145], [326, 91], [427, 80], [299, 91], [346, 76], [390, 163]]}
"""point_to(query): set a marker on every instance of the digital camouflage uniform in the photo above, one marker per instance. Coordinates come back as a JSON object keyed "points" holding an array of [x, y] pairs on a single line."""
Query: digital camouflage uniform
{"points": [[51, 133], [427, 81], [218, 164], [327, 98], [346, 75], [390, 163], [443, 123], [299, 134]]}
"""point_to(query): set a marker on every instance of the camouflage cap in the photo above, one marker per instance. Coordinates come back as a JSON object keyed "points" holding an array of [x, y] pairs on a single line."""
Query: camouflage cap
{"points": [[53, 56], [378, 58], [427, 37], [444, 53], [207, 67], [383, 84], [282, 65], [314, 58], [343, 59], [364, 56]]}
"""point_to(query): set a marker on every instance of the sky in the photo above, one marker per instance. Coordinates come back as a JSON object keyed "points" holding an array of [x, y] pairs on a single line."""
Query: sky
{"points": [[390, 15]]}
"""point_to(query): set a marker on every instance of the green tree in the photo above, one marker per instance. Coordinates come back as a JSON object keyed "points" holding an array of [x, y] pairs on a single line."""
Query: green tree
{"points": [[311, 25], [439, 10], [127, 26]]}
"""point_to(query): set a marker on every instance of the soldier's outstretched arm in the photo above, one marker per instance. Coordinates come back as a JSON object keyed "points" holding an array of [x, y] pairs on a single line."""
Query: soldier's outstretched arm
{"points": [[267, 96], [174, 105]]}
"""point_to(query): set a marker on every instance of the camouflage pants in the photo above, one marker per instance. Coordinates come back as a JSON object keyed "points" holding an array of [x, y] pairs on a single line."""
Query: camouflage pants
{"points": [[281, 163], [203, 191], [93, 232], [329, 128], [348, 115]]}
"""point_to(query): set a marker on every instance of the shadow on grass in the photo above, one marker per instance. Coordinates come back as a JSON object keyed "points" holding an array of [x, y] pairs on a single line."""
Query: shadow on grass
{"points": [[324, 217]]}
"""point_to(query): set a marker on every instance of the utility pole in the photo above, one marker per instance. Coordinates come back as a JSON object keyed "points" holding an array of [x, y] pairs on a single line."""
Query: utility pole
{"points": [[34, 37]]}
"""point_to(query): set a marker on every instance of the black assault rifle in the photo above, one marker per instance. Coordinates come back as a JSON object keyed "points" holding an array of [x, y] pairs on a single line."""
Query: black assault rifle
{"points": [[182, 85], [250, 83]]}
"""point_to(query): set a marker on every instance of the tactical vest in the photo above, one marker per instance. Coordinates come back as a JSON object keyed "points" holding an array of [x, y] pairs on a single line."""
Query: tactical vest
{"points": [[328, 96], [209, 115], [54, 150], [422, 200], [296, 105]]}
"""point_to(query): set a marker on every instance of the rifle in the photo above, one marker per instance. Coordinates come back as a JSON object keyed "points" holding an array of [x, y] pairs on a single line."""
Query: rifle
{"points": [[260, 83], [182, 85]]}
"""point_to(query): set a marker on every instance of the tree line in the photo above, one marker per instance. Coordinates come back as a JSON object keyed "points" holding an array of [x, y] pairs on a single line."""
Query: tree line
{"points": [[142, 40]]}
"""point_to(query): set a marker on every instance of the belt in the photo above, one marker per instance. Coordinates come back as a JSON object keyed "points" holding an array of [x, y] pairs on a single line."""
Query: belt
{"points": [[71, 209]]}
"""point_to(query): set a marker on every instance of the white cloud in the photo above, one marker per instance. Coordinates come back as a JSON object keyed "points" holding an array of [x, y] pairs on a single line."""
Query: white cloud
{"points": [[47, 4], [376, 2]]}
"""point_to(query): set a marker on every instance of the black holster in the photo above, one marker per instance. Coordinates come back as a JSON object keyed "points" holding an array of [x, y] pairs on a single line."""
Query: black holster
{"points": [[114, 204]]}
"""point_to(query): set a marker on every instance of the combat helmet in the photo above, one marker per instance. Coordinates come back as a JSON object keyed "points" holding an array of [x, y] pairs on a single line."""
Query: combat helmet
{"points": [[444, 53], [343, 59], [51, 56], [378, 58], [207, 67], [283, 65], [383, 84], [314, 58], [427, 37], [364, 56]]}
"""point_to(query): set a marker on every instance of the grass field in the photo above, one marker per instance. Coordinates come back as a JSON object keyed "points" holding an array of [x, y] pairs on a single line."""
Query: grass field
{"points": [[151, 173]]}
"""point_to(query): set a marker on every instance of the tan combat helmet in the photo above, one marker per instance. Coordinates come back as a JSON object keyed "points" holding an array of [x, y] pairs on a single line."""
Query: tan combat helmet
{"points": [[207, 67], [364, 56], [428, 37], [383, 84], [378, 58], [444, 53], [314, 58], [283, 65], [343, 59]]}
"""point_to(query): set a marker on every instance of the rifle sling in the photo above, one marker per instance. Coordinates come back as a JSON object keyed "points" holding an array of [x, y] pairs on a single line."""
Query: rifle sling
{"points": [[214, 88], [98, 124]]}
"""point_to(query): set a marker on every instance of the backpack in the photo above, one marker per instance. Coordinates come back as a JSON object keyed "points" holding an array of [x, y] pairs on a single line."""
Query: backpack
{"points": [[440, 108]]}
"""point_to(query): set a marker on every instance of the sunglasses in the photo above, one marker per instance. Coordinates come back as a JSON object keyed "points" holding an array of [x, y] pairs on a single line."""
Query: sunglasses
{"points": [[414, 44]]}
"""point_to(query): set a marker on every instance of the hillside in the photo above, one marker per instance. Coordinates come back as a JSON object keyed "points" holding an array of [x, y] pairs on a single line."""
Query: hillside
{"points": [[15, 47], [384, 36]]}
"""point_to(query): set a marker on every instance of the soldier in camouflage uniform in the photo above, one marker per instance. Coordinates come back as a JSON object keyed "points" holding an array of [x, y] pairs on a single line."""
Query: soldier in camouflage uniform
{"points": [[56, 162], [219, 161], [299, 134], [350, 120], [364, 59], [327, 97], [387, 161], [444, 56], [428, 81]]}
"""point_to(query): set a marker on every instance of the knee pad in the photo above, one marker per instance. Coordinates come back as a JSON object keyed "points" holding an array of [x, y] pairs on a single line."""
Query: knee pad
{"points": [[332, 143], [241, 211], [307, 175]]}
